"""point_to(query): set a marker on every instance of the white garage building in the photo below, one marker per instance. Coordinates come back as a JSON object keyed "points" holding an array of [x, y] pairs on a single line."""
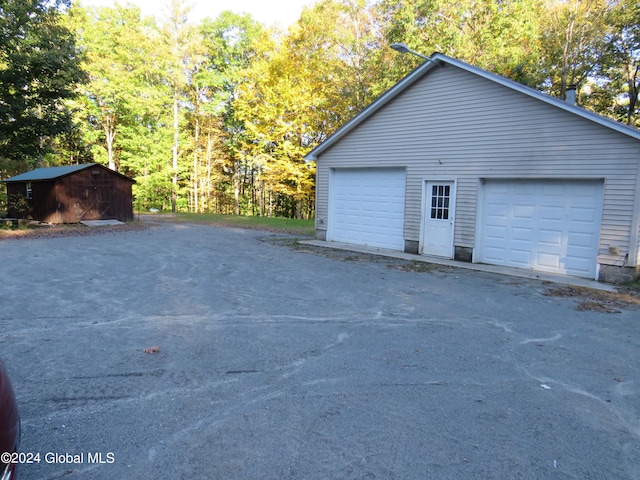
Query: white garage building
{"points": [[457, 162]]}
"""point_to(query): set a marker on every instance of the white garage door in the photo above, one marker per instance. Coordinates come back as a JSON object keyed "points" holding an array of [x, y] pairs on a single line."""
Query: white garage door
{"points": [[546, 225], [367, 207]]}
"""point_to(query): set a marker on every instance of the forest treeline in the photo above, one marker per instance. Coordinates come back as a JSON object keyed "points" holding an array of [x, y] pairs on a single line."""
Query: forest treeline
{"points": [[217, 116]]}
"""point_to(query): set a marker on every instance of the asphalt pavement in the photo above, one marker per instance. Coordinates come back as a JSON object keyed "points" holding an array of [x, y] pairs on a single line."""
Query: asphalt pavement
{"points": [[273, 362]]}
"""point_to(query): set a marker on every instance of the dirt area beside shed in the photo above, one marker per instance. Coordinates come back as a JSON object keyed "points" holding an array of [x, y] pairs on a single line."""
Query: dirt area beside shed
{"points": [[45, 230]]}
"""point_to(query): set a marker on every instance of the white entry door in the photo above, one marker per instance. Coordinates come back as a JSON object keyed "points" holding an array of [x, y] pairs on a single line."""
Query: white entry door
{"points": [[438, 216]]}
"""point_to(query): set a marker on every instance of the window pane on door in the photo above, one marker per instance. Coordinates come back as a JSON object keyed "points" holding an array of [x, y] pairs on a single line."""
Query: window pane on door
{"points": [[440, 196]]}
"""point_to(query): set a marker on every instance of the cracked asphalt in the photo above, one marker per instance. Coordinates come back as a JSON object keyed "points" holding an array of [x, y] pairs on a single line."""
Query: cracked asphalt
{"points": [[275, 363]]}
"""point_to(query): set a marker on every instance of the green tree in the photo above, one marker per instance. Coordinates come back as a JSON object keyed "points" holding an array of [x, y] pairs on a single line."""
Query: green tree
{"points": [[119, 61], [206, 132], [621, 63], [232, 43], [183, 45], [271, 105], [39, 70], [122, 110], [573, 43], [302, 87], [502, 37], [334, 46]]}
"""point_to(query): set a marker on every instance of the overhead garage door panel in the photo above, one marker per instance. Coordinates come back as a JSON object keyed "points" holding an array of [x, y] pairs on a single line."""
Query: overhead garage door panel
{"points": [[552, 226], [367, 207]]}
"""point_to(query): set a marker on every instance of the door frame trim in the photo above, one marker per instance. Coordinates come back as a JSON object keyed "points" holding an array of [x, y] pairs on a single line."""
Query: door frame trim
{"points": [[452, 209]]}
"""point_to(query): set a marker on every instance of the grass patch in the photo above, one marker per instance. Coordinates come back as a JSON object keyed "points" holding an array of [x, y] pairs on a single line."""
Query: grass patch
{"points": [[291, 226], [633, 286], [9, 229]]}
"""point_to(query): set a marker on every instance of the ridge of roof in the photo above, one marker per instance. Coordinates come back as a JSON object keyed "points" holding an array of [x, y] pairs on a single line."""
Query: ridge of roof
{"points": [[48, 173], [438, 59], [51, 173]]}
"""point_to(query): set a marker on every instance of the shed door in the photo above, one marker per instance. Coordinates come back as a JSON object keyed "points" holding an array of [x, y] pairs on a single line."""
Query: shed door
{"points": [[367, 207], [95, 202], [547, 225]]}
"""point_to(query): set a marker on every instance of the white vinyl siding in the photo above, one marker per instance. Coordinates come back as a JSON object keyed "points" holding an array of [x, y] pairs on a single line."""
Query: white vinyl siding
{"points": [[455, 124]]}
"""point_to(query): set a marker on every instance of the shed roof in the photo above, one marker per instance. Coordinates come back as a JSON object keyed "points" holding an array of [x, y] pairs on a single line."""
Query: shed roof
{"points": [[51, 173], [439, 59]]}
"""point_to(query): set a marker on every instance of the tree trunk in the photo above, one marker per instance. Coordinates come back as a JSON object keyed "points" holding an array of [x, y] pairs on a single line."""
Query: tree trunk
{"points": [[110, 136], [208, 188], [196, 135], [632, 83], [176, 140], [236, 192]]}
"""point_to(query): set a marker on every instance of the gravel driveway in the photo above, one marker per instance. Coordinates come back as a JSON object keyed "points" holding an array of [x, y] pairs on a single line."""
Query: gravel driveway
{"points": [[276, 363]]}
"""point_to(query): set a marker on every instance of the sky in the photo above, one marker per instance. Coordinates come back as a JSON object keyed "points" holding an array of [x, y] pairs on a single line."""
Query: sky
{"points": [[269, 12]]}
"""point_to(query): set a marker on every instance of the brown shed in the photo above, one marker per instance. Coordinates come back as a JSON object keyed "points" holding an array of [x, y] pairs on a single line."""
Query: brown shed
{"points": [[70, 194]]}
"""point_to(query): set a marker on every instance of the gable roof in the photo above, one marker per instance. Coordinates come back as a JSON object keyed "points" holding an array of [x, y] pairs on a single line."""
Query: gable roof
{"points": [[438, 59], [51, 173]]}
